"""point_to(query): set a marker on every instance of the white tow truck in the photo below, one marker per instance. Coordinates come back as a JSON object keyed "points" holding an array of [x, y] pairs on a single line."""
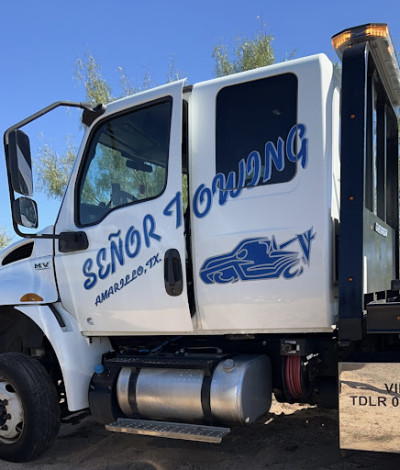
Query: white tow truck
{"points": [[278, 275]]}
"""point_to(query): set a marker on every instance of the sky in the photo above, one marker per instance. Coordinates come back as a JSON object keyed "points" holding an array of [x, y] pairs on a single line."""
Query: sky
{"points": [[41, 41]]}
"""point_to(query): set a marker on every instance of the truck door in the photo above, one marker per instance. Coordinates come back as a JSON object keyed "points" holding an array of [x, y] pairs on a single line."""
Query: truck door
{"points": [[125, 195], [261, 193]]}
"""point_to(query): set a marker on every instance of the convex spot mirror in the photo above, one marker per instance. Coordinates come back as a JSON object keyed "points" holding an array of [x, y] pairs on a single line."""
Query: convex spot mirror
{"points": [[20, 163], [25, 212]]}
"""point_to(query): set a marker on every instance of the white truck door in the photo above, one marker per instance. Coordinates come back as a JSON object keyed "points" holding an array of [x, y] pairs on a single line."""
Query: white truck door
{"points": [[125, 194], [261, 193]]}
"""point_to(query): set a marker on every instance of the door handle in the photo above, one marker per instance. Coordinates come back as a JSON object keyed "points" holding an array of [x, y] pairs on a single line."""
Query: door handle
{"points": [[173, 275]]}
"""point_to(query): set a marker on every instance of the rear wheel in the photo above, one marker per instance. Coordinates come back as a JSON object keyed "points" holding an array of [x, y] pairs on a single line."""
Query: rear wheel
{"points": [[29, 408]]}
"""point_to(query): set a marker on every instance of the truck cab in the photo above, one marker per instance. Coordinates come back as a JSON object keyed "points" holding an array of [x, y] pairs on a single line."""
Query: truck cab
{"points": [[252, 229]]}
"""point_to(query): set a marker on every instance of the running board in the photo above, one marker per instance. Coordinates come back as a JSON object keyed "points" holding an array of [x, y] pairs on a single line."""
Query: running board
{"points": [[187, 432]]}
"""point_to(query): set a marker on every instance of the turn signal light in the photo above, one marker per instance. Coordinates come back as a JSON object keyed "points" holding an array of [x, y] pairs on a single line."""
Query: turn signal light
{"points": [[31, 298]]}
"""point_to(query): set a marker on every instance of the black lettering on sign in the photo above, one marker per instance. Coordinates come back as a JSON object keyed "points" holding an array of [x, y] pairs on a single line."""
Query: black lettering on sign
{"points": [[361, 400], [392, 388]]}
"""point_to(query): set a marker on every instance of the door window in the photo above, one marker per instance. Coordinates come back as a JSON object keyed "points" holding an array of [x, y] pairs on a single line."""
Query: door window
{"points": [[126, 163], [256, 117]]}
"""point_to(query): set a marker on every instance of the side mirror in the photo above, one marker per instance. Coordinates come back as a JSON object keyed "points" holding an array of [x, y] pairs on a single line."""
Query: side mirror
{"points": [[20, 164], [24, 211]]}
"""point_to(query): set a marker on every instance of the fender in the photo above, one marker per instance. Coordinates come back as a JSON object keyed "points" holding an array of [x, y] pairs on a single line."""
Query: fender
{"points": [[27, 267], [76, 354]]}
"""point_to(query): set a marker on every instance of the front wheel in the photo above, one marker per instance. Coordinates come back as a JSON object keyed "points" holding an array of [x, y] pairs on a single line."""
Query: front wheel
{"points": [[29, 408]]}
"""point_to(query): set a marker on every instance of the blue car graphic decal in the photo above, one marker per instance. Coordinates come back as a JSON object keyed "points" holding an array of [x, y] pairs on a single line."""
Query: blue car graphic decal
{"points": [[259, 258]]}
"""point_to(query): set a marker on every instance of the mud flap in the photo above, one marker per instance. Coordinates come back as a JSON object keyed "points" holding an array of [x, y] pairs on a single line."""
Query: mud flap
{"points": [[369, 406]]}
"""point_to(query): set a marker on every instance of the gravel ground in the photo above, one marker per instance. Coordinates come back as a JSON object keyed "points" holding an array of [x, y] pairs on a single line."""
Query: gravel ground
{"points": [[291, 437]]}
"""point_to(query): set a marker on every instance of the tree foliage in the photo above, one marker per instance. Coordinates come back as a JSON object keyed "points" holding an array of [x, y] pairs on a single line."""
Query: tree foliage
{"points": [[4, 238], [173, 73], [248, 54], [53, 169], [128, 88], [108, 172], [88, 74]]}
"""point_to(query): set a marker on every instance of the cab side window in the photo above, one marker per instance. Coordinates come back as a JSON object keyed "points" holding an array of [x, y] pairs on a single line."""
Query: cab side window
{"points": [[126, 163], [256, 117]]}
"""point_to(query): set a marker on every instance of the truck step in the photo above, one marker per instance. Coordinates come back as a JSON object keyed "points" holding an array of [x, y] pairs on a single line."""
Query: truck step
{"points": [[187, 432]]}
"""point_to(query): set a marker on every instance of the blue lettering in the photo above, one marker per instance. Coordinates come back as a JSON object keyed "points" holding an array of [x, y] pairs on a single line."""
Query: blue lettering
{"points": [[219, 184], [276, 155], [229, 187], [248, 175], [201, 196], [92, 278], [149, 225], [132, 242], [236, 187], [253, 167], [104, 269], [116, 250], [176, 201], [123, 282], [290, 145]]}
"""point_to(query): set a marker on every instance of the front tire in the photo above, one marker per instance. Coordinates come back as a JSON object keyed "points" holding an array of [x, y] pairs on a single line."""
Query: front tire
{"points": [[29, 408]]}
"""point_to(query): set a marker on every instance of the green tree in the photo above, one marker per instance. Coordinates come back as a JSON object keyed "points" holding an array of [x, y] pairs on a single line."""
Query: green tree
{"points": [[53, 169], [88, 74], [4, 238], [248, 54]]}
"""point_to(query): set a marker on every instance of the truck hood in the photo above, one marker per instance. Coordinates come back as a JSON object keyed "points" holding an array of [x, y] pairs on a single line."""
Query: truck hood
{"points": [[27, 267]]}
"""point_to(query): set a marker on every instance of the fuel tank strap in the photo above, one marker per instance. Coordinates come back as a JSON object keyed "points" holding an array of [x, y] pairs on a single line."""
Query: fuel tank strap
{"points": [[206, 397]]}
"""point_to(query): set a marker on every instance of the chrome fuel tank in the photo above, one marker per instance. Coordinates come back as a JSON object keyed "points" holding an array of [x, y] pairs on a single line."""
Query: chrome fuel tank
{"points": [[241, 389], [170, 394], [238, 391]]}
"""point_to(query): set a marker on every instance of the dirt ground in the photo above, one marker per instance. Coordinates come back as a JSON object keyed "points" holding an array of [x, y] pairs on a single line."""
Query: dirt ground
{"points": [[292, 437]]}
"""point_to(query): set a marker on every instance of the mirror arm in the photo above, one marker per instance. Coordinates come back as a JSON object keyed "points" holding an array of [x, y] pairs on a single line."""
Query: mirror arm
{"points": [[71, 104]]}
